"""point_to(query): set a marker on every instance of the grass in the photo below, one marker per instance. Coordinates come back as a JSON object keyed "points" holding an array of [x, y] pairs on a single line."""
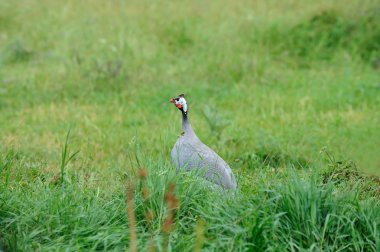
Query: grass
{"points": [[286, 92]]}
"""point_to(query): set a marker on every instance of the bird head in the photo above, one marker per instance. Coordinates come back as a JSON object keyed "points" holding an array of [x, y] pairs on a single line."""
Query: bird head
{"points": [[180, 102]]}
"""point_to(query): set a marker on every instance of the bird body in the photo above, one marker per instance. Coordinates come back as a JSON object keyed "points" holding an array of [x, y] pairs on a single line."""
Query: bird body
{"points": [[190, 153]]}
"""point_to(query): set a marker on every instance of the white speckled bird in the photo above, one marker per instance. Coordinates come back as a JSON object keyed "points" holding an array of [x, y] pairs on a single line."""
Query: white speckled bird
{"points": [[190, 153]]}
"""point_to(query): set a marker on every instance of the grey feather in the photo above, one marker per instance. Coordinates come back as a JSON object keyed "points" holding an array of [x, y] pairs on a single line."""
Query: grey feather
{"points": [[190, 153]]}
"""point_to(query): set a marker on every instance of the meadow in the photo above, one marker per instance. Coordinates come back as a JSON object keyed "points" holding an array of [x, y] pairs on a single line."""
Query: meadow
{"points": [[287, 92]]}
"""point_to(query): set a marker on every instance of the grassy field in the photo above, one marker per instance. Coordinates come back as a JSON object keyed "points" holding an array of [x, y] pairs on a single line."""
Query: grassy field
{"points": [[287, 92]]}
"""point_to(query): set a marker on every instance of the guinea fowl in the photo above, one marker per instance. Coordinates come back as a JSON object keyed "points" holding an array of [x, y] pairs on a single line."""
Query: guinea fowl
{"points": [[190, 153]]}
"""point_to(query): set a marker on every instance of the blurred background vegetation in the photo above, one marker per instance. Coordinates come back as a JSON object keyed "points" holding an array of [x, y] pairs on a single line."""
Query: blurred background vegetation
{"points": [[289, 77], [271, 84]]}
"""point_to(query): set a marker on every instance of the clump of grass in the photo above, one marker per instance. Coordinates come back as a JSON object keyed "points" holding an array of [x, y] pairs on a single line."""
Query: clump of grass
{"points": [[313, 218], [346, 174], [16, 52], [66, 157], [168, 221], [327, 32], [270, 155], [324, 32]]}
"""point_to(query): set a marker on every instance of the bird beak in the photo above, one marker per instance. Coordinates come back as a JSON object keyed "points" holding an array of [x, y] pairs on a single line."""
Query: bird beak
{"points": [[172, 100]]}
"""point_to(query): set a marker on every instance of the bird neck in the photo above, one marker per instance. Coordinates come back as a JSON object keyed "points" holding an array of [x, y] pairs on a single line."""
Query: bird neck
{"points": [[186, 126]]}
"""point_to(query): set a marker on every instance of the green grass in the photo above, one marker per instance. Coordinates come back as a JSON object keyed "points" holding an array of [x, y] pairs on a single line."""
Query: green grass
{"points": [[288, 93]]}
